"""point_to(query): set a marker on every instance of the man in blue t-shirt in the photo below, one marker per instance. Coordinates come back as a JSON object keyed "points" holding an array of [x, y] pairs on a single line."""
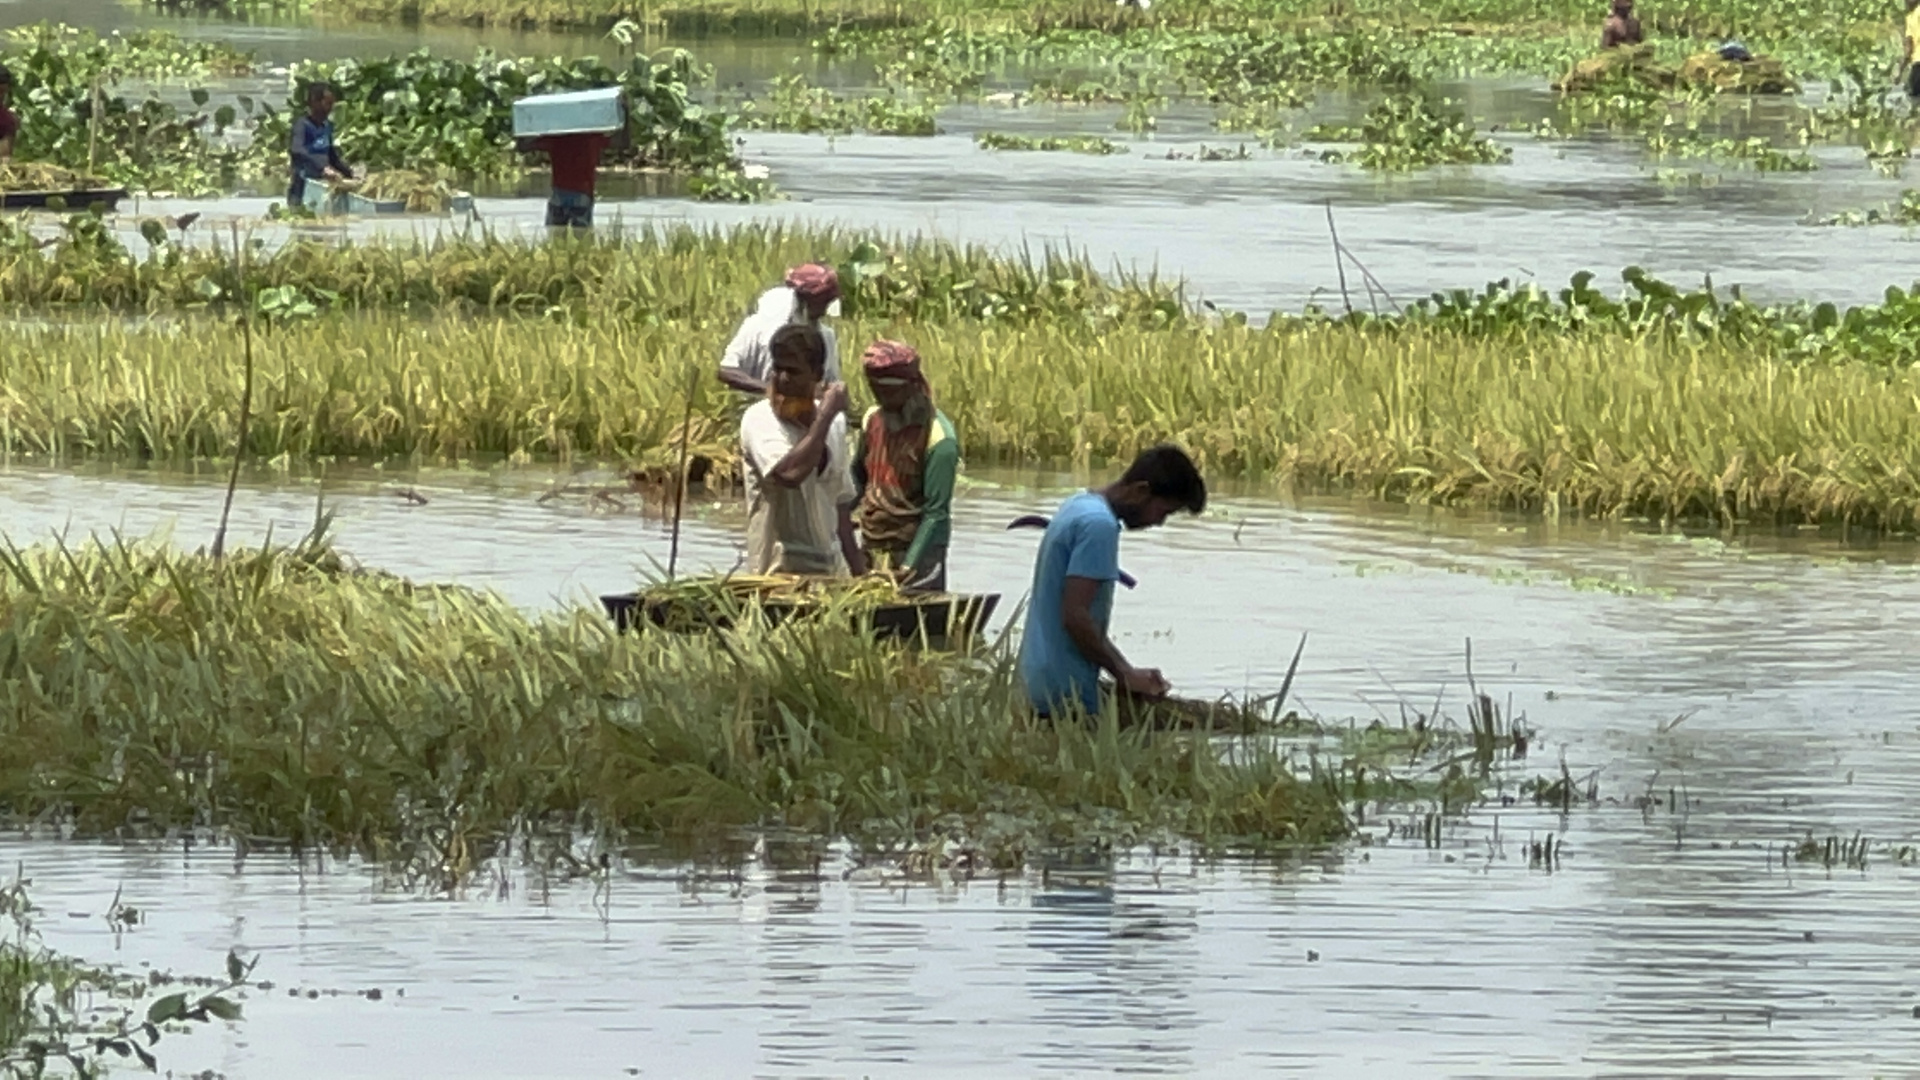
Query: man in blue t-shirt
{"points": [[1065, 647]]}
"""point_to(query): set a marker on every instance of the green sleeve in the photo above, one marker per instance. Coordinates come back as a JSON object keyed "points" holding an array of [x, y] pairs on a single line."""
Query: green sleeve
{"points": [[936, 492]]}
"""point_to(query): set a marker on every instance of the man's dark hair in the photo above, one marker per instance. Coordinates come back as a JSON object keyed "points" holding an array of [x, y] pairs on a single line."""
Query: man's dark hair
{"points": [[6, 75], [1169, 474], [316, 91], [803, 340]]}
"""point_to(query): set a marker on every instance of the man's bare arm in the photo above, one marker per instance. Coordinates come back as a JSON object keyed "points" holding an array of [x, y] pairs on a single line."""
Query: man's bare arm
{"points": [[1076, 614], [808, 454], [735, 379]]}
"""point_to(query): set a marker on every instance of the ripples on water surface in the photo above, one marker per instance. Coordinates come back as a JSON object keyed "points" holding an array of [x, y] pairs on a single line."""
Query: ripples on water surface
{"points": [[1666, 942]]}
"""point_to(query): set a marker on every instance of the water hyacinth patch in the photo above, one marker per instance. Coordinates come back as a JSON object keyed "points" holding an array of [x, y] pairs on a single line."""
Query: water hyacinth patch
{"points": [[422, 111]]}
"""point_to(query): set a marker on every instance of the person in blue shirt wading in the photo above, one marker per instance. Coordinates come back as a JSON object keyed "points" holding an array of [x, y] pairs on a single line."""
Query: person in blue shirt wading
{"points": [[315, 157], [1065, 647]]}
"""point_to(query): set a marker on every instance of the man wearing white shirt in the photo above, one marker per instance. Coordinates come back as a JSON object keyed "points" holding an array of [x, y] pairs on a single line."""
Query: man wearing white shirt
{"points": [[800, 491], [802, 300]]}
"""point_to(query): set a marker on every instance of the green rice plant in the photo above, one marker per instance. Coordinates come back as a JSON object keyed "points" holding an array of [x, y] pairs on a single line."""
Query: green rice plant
{"points": [[648, 274], [1602, 421], [282, 695]]}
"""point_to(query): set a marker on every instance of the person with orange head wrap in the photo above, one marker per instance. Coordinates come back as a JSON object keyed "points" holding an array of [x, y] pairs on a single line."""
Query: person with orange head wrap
{"points": [[905, 468], [809, 294]]}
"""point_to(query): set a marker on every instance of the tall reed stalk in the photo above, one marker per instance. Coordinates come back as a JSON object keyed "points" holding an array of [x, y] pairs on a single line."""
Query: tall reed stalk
{"points": [[246, 393]]}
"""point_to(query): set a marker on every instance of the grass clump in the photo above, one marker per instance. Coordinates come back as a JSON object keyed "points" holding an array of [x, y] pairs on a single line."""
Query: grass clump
{"points": [[1072, 144], [1410, 132], [283, 696]]}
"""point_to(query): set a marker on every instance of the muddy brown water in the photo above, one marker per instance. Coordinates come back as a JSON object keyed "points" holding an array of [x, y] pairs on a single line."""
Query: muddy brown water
{"points": [[1667, 941]]}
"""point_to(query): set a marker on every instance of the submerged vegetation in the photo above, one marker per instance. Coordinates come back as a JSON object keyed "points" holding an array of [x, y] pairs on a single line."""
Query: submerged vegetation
{"points": [[68, 95], [429, 113], [59, 1016], [1073, 144], [284, 696], [1411, 132], [793, 104]]}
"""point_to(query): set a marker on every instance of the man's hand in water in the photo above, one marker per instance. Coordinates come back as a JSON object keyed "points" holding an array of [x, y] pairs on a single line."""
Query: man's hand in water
{"points": [[1145, 682]]}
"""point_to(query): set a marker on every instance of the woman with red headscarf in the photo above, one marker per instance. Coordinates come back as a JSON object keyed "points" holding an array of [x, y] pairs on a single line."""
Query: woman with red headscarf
{"points": [[905, 469], [806, 297]]}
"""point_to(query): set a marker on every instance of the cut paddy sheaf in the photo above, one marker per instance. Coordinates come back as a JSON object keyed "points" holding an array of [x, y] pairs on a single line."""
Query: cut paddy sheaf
{"points": [[283, 697]]}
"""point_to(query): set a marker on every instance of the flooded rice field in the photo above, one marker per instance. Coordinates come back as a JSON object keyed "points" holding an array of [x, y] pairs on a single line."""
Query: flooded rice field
{"points": [[1252, 235], [1247, 235], [1725, 698], [1733, 698]]}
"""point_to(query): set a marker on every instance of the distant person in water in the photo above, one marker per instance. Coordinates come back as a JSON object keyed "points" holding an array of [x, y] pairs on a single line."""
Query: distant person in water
{"points": [[313, 152], [9, 120], [1621, 28], [1910, 49], [576, 165], [575, 159]]}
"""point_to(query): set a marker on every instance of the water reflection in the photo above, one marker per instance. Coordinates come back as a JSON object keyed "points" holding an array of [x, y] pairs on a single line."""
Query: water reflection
{"points": [[1110, 976]]}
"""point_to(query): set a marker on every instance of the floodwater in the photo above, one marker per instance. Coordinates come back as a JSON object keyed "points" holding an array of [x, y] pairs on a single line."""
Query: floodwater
{"points": [[1767, 681], [1253, 235], [1249, 235]]}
